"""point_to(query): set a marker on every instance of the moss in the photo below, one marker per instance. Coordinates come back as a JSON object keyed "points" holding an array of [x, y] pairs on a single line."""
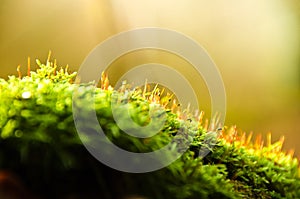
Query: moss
{"points": [[38, 141]]}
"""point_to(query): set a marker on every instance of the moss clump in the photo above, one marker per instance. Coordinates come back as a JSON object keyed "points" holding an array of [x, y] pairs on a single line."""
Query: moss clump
{"points": [[39, 142]]}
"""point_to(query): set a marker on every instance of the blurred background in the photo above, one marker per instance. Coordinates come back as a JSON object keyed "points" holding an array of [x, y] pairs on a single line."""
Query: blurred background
{"points": [[255, 44]]}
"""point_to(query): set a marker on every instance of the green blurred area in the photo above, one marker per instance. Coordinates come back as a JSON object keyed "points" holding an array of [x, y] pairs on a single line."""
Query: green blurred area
{"points": [[255, 44]]}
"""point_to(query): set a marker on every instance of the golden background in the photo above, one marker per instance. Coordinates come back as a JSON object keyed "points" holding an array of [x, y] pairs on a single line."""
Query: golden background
{"points": [[254, 43]]}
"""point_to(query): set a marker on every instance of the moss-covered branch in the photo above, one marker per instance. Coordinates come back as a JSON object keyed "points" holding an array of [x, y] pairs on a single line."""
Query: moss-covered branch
{"points": [[38, 141]]}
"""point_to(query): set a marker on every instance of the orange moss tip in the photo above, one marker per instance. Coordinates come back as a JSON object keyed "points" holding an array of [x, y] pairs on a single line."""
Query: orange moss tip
{"points": [[269, 139], [200, 118], [201, 115], [54, 67], [19, 71], [48, 58], [28, 66], [243, 138], [270, 150], [104, 81], [291, 152], [258, 143], [205, 126]]}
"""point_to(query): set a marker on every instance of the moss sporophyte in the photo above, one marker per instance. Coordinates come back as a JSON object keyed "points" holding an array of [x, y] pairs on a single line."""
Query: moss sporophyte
{"points": [[38, 141]]}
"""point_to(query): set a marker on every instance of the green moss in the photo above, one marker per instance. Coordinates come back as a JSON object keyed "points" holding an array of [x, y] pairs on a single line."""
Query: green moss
{"points": [[38, 140]]}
